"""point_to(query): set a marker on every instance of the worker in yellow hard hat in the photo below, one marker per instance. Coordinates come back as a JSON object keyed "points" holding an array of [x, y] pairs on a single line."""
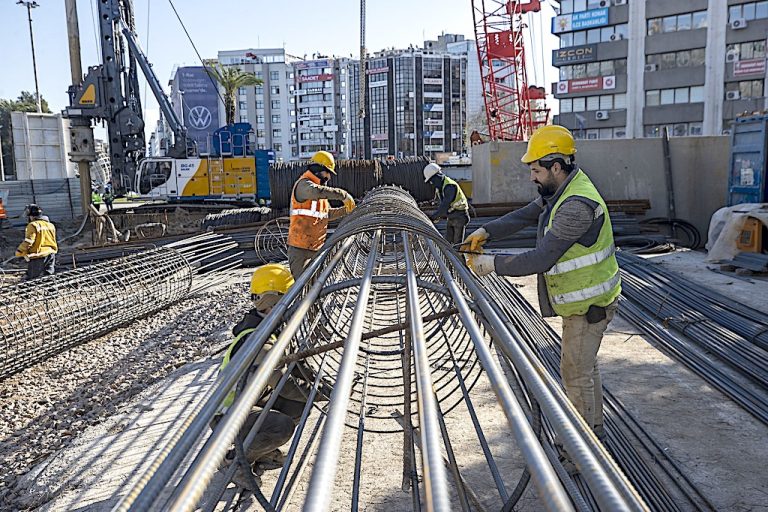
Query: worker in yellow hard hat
{"points": [[268, 285], [311, 212], [574, 259]]}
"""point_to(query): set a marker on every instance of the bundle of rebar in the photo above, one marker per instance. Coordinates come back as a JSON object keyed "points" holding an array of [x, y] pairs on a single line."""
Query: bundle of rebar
{"points": [[355, 176], [693, 324], [48, 315], [392, 328]]}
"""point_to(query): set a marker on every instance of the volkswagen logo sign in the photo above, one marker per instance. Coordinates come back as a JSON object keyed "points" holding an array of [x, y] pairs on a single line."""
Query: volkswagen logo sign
{"points": [[199, 117]]}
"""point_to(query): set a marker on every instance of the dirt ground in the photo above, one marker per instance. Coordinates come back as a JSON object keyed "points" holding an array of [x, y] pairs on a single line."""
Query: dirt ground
{"points": [[718, 445]]}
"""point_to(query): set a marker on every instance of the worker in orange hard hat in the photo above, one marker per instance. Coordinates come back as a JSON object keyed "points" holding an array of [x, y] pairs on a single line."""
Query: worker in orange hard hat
{"points": [[574, 259], [311, 212]]}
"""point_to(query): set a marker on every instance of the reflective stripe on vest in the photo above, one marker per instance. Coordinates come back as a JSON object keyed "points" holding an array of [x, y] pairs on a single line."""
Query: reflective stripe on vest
{"points": [[460, 201], [309, 219], [584, 276], [230, 398]]}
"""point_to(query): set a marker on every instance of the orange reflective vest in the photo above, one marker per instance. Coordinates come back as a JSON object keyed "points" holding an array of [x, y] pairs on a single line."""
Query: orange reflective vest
{"points": [[309, 219], [3, 215]]}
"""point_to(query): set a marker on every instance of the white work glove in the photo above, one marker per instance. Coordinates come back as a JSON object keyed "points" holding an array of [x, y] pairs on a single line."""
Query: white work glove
{"points": [[349, 203], [481, 264], [474, 242]]}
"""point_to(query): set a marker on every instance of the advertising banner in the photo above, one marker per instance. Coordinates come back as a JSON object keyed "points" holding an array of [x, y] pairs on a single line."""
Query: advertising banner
{"points": [[315, 78], [580, 20], [200, 102], [600, 83], [749, 67]]}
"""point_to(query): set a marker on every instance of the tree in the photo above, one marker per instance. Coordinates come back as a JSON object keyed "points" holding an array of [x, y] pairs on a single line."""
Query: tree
{"points": [[230, 79], [24, 103]]}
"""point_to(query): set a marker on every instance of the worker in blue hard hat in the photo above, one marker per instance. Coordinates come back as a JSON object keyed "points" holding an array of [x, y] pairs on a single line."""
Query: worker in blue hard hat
{"points": [[453, 203]]}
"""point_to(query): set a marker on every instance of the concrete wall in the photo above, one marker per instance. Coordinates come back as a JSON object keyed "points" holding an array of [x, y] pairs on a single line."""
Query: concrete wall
{"points": [[621, 169]]}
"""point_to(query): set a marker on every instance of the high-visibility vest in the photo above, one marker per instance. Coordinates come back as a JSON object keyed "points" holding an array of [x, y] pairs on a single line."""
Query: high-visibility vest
{"points": [[584, 276], [309, 219], [230, 398], [460, 201], [3, 214], [95, 198], [39, 240]]}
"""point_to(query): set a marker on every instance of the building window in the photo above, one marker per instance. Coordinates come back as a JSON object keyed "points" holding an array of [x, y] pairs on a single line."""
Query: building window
{"points": [[748, 50], [275, 104], [277, 133], [277, 147], [243, 118], [259, 104], [259, 89], [275, 90], [242, 105], [261, 133], [601, 35], [678, 95], [275, 118], [260, 119], [747, 89], [677, 23], [672, 60], [274, 75], [749, 11], [241, 90]]}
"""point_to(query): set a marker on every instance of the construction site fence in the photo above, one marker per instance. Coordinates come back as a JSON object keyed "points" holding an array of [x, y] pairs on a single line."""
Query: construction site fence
{"points": [[59, 198], [355, 176]]}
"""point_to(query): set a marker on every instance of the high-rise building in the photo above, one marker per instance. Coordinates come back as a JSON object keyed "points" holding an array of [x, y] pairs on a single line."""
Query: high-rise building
{"points": [[630, 68], [321, 106], [416, 103], [270, 107]]}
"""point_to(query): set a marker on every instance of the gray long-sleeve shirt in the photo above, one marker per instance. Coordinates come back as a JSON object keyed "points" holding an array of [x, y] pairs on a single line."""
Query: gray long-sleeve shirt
{"points": [[574, 221], [306, 190]]}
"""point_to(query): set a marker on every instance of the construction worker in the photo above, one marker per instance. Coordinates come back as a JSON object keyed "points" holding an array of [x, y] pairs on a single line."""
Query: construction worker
{"points": [[268, 284], [39, 247], [108, 197], [574, 258], [310, 211], [96, 199], [3, 213], [453, 203]]}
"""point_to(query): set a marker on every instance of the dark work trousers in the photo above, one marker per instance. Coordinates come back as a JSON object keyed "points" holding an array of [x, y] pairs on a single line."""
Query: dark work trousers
{"points": [[457, 222], [37, 267]]}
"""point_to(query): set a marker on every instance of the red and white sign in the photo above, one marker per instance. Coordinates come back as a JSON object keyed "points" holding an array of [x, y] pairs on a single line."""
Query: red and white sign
{"points": [[501, 44], [749, 67], [377, 70], [315, 78], [600, 83]]}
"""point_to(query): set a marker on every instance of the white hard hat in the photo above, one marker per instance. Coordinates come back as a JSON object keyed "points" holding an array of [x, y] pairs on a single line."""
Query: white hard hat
{"points": [[430, 170]]}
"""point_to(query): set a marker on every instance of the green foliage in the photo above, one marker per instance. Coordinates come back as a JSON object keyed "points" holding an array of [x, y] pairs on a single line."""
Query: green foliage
{"points": [[24, 103], [231, 78]]}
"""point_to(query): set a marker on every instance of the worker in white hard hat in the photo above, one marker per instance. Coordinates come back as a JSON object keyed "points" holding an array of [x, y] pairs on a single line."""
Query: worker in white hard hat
{"points": [[453, 203], [268, 285], [574, 259], [310, 211]]}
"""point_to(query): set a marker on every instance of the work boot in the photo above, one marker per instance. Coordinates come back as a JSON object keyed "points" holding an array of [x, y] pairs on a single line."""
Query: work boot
{"points": [[273, 460], [240, 479]]}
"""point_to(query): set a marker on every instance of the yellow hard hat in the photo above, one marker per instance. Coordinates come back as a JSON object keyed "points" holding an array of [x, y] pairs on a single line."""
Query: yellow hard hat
{"points": [[273, 278], [325, 159], [548, 140]]}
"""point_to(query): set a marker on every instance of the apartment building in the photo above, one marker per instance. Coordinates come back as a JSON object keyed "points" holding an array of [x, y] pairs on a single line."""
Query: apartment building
{"points": [[416, 104], [630, 68]]}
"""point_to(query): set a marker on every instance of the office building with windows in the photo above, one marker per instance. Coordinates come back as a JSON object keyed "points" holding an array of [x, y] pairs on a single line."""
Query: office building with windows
{"points": [[321, 106], [416, 104], [630, 68], [270, 107]]}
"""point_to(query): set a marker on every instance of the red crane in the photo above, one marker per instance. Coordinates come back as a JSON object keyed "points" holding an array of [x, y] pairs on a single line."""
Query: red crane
{"points": [[513, 108]]}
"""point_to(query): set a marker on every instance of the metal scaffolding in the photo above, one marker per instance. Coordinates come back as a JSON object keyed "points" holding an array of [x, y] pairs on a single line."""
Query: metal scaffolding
{"points": [[48, 315], [390, 320]]}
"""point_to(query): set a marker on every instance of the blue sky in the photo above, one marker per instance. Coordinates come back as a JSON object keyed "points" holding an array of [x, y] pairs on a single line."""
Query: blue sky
{"points": [[217, 25]]}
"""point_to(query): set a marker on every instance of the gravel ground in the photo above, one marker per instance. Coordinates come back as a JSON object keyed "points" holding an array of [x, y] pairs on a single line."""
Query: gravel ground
{"points": [[45, 407]]}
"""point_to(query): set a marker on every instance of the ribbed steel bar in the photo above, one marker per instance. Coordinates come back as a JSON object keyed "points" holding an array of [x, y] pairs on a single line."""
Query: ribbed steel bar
{"points": [[326, 463]]}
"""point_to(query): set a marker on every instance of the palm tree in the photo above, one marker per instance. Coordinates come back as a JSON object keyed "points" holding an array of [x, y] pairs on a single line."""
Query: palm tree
{"points": [[231, 79]]}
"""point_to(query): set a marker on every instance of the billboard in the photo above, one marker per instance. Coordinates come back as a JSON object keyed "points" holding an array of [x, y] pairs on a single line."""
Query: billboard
{"points": [[315, 78], [749, 67], [580, 20], [574, 54], [200, 103], [600, 83]]}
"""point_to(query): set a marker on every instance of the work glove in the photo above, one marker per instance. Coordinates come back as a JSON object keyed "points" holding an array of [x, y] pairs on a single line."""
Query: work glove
{"points": [[481, 264], [349, 203], [474, 242]]}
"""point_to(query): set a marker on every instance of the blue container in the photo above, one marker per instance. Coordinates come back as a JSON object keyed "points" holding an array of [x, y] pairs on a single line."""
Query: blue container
{"points": [[233, 140], [264, 158], [747, 174]]}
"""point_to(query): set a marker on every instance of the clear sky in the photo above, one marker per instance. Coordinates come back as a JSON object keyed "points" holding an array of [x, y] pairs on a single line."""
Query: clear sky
{"points": [[301, 26]]}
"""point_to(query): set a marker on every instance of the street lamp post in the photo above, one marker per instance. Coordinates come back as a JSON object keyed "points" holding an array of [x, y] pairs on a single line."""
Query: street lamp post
{"points": [[31, 5]]}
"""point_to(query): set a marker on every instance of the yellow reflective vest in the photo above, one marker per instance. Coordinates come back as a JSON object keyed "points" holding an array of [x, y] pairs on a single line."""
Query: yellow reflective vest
{"points": [[460, 201], [584, 276], [39, 240]]}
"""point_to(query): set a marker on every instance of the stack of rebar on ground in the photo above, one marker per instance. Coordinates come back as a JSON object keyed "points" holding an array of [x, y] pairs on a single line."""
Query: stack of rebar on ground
{"points": [[696, 325], [392, 328], [50, 314], [355, 176]]}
